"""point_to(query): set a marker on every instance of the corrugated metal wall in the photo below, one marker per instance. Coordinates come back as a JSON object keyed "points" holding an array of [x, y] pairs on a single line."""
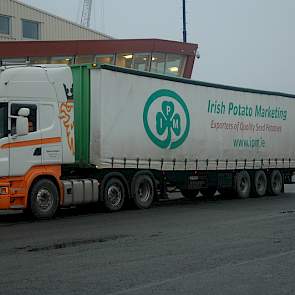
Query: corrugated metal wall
{"points": [[51, 27]]}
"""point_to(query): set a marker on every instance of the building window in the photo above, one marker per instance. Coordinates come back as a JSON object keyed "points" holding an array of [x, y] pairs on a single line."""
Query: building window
{"points": [[67, 60], [40, 60], [124, 60], [141, 61], [174, 64], [84, 59], [14, 61], [30, 29], [5, 24], [105, 59], [158, 63]]}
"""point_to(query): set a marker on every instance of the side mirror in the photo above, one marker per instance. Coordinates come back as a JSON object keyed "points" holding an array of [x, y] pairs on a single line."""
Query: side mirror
{"points": [[24, 112], [22, 122]]}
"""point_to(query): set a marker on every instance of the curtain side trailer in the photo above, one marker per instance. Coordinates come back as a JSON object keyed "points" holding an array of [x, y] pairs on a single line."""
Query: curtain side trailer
{"points": [[88, 133]]}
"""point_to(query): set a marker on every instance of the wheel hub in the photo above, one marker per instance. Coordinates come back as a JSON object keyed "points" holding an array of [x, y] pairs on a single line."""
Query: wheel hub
{"points": [[115, 195], [244, 184], [260, 184], [44, 199], [277, 182], [144, 191]]}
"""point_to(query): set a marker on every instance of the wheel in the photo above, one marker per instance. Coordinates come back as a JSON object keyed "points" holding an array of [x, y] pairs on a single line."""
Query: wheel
{"points": [[208, 192], [44, 199], [260, 183], [275, 182], [114, 194], [243, 184], [143, 191], [189, 194]]}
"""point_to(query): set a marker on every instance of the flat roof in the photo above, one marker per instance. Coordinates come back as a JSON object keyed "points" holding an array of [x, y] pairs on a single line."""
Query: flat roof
{"points": [[80, 47]]}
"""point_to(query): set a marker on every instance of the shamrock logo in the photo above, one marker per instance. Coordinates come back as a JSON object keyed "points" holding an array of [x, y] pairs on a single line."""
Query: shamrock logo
{"points": [[167, 120], [167, 123]]}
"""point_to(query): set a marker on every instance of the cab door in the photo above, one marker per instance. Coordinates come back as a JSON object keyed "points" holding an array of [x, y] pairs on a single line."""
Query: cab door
{"points": [[26, 150], [4, 147]]}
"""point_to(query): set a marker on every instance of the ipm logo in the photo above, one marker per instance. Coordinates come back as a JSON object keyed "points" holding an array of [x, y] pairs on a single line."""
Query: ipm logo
{"points": [[166, 119]]}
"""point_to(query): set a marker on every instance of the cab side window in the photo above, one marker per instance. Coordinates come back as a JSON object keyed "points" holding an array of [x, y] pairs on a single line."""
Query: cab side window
{"points": [[32, 117], [3, 120]]}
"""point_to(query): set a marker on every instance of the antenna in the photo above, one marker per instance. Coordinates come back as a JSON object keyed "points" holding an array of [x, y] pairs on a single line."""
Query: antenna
{"points": [[184, 20], [86, 13]]}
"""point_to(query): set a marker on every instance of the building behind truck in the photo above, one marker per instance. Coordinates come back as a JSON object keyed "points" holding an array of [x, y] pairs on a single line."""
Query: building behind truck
{"points": [[151, 55], [108, 134], [29, 35], [20, 21]]}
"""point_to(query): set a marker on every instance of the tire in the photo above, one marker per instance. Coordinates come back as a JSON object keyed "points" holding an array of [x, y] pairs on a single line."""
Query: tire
{"points": [[260, 183], [114, 194], [276, 183], [44, 199], [243, 184], [208, 192], [189, 194], [143, 190]]}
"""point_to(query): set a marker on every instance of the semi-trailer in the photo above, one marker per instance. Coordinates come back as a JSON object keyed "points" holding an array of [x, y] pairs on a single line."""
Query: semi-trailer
{"points": [[99, 133]]}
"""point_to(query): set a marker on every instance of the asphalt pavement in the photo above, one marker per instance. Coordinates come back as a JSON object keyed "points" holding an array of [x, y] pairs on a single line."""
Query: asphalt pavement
{"points": [[223, 246]]}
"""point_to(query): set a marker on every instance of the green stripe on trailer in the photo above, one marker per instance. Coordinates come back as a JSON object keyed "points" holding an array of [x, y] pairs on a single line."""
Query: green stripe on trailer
{"points": [[81, 91]]}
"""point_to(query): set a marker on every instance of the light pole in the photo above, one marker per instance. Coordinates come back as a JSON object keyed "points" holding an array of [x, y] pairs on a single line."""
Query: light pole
{"points": [[184, 20]]}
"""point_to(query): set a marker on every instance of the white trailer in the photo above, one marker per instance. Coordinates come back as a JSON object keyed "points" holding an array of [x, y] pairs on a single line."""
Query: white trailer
{"points": [[188, 134], [154, 122]]}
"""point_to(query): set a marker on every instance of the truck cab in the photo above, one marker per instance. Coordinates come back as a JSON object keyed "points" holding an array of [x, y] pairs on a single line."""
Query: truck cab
{"points": [[36, 129]]}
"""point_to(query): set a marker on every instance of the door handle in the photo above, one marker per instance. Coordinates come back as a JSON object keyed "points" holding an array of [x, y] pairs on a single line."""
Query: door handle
{"points": [[37, 152]]}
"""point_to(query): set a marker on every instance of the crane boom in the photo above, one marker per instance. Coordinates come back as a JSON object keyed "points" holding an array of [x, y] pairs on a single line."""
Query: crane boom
{"points": [[86, 13]]}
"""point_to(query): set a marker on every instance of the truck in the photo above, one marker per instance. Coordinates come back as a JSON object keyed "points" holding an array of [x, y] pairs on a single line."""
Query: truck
{"points": [[103, 134]]}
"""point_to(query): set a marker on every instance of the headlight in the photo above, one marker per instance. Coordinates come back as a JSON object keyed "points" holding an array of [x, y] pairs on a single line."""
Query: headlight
{"points": [[4, 190]]}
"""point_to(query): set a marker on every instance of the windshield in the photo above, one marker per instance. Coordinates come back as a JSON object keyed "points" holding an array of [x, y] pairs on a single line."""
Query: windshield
{"points": [[3, 120]]}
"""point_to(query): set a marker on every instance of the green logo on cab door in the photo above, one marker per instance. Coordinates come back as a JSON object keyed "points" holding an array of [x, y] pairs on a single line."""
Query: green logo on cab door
{"points": [[166, 119]]}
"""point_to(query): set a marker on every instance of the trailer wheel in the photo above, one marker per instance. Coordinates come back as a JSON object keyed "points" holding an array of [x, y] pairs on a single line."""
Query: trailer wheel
{"points": [[44, 199], [114, 194], [260, 183], [243, 184], [143, 190], [275, 182], [189, 194]]}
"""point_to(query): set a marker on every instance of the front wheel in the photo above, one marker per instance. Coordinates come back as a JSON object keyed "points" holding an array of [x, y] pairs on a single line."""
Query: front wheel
{"points": [[44, 199]]}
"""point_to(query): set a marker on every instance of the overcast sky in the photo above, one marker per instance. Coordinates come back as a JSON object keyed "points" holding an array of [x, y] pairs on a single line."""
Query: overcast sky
{"points": [[249, 43]]}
